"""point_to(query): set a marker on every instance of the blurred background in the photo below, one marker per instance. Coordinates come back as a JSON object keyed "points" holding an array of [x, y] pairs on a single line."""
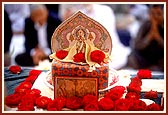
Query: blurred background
{"points": [[28, 29]]}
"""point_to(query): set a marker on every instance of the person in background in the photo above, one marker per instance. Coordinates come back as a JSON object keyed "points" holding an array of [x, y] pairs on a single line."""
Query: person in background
{"points": [[39, 28], [17, 14], [148, 47], [53, 9], [105, 16], [140, 13], [7, 38], [133, 15]]}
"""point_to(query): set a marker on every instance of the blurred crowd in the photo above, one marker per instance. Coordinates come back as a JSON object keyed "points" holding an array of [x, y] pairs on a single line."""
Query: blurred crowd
{"points": [[137, 32]]}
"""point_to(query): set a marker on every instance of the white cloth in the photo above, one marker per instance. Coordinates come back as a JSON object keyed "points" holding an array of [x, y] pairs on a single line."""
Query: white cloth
{"points": [[105, 16], [42, 84], [42, 39]]}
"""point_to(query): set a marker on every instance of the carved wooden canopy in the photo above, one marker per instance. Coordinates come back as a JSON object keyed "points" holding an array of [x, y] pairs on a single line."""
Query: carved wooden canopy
{"points": [[65, 33]]}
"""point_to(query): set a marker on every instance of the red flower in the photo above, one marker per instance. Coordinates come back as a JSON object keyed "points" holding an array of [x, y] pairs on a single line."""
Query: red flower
{"points": [[88, 99], [132, 95], [52, 106], [74, 102], [21, 90], [26, 85], [97, 56], [61, 54], [34, 72], [34, 92], [23, 87], [122, 105], [92, 106], [138, 105], [13, 99], [15, 69], [62, 101], [106, 104], [79, 57], [116, 92], [144, 74], [31, 78], [28, 97], [151, 94], [133, 87], [136, 80], [57, 104], [153, 107], [42, 102], [118, 88], [27, 103]]}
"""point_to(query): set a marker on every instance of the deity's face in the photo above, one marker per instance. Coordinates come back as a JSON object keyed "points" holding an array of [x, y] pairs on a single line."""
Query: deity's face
{"points": [[80, 34]]}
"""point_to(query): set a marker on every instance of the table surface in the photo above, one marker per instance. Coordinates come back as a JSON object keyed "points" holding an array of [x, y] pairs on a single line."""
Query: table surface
{"points": [[11, 81]]}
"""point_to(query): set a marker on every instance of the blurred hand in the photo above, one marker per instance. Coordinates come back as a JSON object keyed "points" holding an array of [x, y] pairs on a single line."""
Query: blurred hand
{"points": [[154, 32], [39, 55]]}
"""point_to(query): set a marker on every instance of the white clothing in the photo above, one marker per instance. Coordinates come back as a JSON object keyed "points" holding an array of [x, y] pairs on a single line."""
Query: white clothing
{"points": [[17, 14], [42, 39]]}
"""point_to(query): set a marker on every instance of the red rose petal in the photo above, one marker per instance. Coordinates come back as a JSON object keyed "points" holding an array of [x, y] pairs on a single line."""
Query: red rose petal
{"points": [[74, 102], [15, 69], [88, 99], [42, 102], [79, 57], [92, 106], [61, 54], [13, 99], [34, 72], [144, 74], [106, 104], [153, 107], [97, 56], [151, 94]]}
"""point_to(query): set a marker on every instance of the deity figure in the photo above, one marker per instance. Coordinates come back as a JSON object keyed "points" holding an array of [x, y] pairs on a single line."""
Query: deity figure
{"points": [[80, 45], [81, 41]]}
